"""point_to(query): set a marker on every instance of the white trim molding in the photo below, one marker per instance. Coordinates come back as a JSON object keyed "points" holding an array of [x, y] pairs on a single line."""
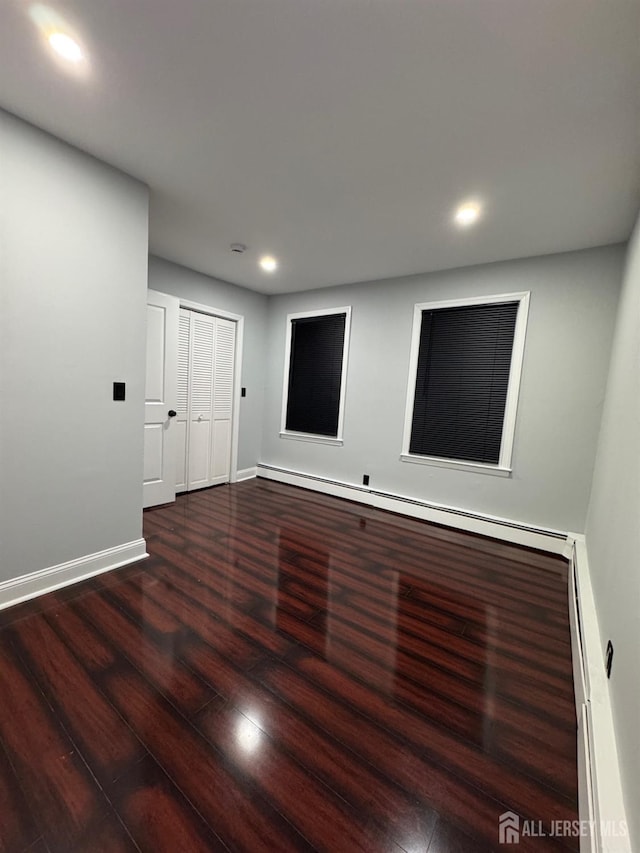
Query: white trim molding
{"points": [[302, 436], [37, 583], [503, 467], [600, 793], [246, 474], [520, 533], [316, 439], [207, 309], [456, 464]]}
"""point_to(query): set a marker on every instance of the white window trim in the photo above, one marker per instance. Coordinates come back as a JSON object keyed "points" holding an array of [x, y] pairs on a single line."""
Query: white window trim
{"points": [[503, 468], [304, 436]]}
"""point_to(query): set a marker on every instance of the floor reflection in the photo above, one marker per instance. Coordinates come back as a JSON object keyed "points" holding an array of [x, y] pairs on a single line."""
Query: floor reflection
{"points": [[314, 585], [290, 672], [248, 733]]}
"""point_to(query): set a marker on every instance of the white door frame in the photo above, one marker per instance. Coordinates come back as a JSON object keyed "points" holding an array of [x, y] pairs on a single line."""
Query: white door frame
{"points": [[238, 319]]}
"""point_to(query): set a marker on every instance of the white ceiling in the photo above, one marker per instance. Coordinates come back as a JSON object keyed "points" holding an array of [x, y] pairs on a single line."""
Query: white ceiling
{"points": [[339, 135]]}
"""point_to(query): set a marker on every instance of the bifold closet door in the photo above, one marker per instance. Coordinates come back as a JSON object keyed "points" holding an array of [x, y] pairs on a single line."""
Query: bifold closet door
{"points": [[182, 407], [206, 348], [201, 401], [225, 347]]}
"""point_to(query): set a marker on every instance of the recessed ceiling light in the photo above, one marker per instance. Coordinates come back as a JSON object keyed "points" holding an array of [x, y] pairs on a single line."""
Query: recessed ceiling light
{"points": [[468, 213], [268, 263], [66, 47]]}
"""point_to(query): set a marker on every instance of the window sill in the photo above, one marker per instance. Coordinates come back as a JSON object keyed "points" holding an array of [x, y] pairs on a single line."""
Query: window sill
{"points": [[314, 439], [475, 467]]}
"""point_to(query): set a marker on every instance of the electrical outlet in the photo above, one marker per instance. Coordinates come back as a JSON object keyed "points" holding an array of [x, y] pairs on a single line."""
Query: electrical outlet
{"points": [[365, 479], [609, 658]]}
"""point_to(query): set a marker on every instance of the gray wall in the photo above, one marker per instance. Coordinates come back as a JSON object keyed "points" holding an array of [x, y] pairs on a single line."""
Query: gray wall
{"points": [[187, 284], [73, 269], [571, 319], [613, 533]]}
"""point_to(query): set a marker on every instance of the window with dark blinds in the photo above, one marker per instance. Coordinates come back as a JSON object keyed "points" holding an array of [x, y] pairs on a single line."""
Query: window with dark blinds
{"points": [[315, 374], [462, 380]]}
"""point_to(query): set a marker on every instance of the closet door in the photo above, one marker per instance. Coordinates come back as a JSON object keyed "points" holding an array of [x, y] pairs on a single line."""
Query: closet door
{"points": [[182, 403], [224, 353], [200, 419], [206, 352]]}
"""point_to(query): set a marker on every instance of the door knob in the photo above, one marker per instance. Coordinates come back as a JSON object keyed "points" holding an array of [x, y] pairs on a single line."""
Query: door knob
{"points": [[172, 413]]}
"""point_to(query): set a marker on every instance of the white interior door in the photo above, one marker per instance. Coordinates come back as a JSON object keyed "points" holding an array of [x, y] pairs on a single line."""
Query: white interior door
{"points": [[182, 407], [201, 401], [203, 433], [224, 365], [160, 399]]}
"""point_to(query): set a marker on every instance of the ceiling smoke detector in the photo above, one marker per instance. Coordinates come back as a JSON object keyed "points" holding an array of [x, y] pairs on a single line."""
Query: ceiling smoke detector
{"points": [[238, 248]]}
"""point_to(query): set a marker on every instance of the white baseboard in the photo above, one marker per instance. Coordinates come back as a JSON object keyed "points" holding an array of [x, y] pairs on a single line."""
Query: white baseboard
{"points": [[520, 533], [46, 580], [599, 783], [246, 474]]}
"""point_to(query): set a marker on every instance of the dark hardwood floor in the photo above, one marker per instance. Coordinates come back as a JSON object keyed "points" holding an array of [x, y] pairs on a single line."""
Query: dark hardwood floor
{"points": [[289, 671]]}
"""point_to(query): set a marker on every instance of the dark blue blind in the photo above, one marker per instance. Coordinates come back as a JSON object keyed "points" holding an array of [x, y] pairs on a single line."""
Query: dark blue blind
{"points": [[462, 380], [315, 374]]}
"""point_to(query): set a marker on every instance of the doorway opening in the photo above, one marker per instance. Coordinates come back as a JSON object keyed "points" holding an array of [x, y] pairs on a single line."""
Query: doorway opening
{"points": [[192, 397]]}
